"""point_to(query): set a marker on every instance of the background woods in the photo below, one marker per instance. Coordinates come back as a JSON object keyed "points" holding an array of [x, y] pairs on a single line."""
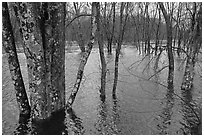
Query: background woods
{"points": [[102, 67]]}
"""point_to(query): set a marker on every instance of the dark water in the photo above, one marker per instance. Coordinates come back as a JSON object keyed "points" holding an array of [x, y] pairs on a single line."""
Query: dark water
{"points": [[141, 106]]}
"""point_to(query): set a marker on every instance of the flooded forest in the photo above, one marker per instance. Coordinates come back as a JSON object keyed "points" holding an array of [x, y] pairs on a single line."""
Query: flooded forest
{"points": [[101, 68]]}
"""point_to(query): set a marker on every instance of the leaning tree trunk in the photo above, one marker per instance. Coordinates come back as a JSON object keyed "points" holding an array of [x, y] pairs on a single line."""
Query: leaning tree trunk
{"points": [[169, 44], [10, 48], [42, 28], [85, 56], [15, 7], [101, 51], [29, 27]]}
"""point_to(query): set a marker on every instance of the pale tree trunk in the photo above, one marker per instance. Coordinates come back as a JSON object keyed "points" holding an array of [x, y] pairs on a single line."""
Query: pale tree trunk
{"points": [[44, 39], [169, 43], [14, 66], [15, 7], [120, 40], [85, 56], [194, 43], [101, 51]]}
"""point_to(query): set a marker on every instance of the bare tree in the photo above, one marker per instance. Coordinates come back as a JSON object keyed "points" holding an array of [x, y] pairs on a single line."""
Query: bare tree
{"points": [[84, 57], [101, 51], [167, 18], [119, 43], [14, 66], [109, 12]]}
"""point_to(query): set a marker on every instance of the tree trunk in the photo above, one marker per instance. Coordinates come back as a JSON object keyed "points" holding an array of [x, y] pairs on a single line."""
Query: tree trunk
{"points": [[157, 33], [53, 36], [194, 42], [85, 56], [109, 46], [120, 39], [28, 61], [44, 38], [179, 42], [112, 33], [14, 66], [147, 22], [80, 40], [169, 44], [101, 51]]}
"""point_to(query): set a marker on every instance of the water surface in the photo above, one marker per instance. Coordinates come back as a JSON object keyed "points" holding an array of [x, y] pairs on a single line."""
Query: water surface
{"points": [[142, 105]]}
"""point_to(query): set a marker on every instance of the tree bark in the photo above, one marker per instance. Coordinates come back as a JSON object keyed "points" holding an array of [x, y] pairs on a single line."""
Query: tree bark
{"points": [[101, 51], [85, 56], [169, 43], [42, 28], [53, 34], [14, 66]]}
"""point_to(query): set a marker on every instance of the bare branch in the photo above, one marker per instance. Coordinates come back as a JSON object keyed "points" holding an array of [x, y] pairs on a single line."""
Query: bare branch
{"points": [[81, 15]]}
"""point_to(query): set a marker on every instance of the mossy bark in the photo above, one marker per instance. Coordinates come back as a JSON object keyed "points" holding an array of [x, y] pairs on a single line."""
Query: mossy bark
{"points": [[54, 45], [14, 66], [42, 27]]}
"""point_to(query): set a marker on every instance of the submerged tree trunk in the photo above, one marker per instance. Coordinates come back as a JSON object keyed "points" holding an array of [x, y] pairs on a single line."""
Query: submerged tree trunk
{"points": [[42, 28], [101, 51], [169, 44], [194, 43], [14, 66], [120, 39], [85, 56], [157, 33]]}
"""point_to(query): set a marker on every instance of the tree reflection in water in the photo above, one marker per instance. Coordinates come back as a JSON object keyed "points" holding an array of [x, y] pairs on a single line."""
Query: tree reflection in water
{"points": [[63, 122], [102, 124], [23, 125], [166, 116], [73, 123], [107, 119], [191, 115]]}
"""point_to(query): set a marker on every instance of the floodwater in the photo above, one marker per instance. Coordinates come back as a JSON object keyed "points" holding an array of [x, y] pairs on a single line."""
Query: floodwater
{"points": [[143, 104]]}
